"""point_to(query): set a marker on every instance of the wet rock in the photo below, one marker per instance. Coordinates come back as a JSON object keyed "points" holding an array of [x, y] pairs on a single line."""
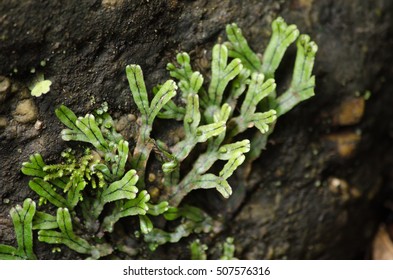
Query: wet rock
{"points": [[5, 88], [3, 122], [111, 3], [26, 111]]}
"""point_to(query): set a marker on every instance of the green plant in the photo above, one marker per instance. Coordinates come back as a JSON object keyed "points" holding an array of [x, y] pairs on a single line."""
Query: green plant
{"points": [[227, 248], [92, 190], [40, 86], [22, 219]]}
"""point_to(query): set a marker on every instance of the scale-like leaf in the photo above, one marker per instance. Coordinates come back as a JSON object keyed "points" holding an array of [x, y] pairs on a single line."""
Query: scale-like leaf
{"points": [[133, 207], [22, 218], [210, 181], [192, 213], [9, 253], [192, 85], [104, 170], [198, 250], [74, 193], [172, 111], [44, 220], [138, 89], [238, 48], [118, 167], [257, 90], [45, 190], [91, 132], [283, 35], [67, 235], [239, 85], [122, 189], [292, 97], [232, 164], [262, 120], [220, 116], [228, 250], [170, 166], [34, 167], [172, 214], [166, 93], [157, 209], [193, 116], [201, 134], [196, 82], [203, 223], [185, 70], [136, 206], [305, 56], [303, 84], [207, 131], [224, 114], [145, 224], [222, 73], [67, 117], [234, 149]]}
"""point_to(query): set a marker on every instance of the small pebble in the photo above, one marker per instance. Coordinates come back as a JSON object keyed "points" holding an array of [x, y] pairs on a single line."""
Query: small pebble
{"points": [[345, 142], [26, 111], [38, 125], [3, 122], [151, 177], [350, 112]]}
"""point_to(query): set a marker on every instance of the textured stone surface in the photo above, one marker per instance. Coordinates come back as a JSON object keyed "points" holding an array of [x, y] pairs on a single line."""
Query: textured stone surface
{"points": [[286, 208]]}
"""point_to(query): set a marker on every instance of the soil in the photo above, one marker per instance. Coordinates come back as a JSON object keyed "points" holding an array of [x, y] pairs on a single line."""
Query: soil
{"points": [[317, 191]]}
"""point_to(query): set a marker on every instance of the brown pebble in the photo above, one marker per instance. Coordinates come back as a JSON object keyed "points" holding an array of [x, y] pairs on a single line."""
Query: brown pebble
{"points": [[5, 88], [121, 123], [151, 177], [345, 142], [154, 192], [26, 111], [350, 112], [111, 3], [3, 122], [5, 84]]}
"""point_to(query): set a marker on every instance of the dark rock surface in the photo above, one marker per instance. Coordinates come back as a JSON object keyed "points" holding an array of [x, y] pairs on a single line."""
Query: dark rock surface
{"points": [[313, 193]]}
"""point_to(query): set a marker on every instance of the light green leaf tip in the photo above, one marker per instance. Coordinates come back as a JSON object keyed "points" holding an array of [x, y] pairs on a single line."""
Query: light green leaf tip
{"points": [[41, 87]]}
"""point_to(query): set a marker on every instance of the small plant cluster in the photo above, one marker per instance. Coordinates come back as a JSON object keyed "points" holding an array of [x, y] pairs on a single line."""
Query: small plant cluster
{"points": [[94, 189], [198, 250]]}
